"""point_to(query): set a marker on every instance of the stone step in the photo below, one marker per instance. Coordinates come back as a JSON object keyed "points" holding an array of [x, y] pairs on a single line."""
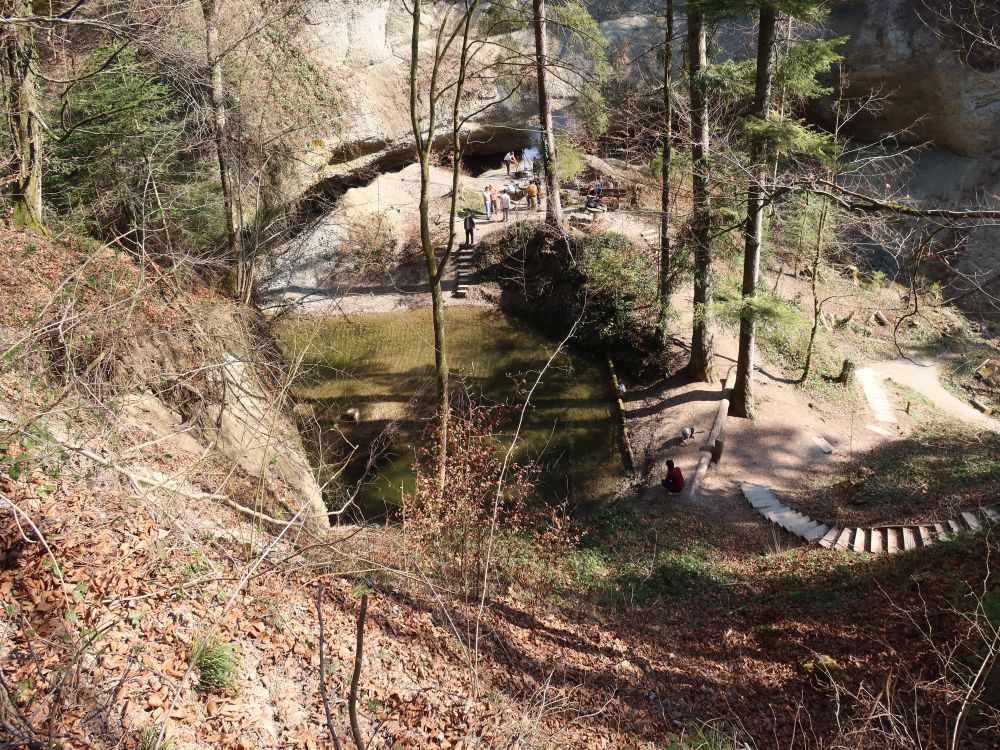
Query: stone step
{"points": [[830, 538], [909, 538], [971, 521], [877, 540]]}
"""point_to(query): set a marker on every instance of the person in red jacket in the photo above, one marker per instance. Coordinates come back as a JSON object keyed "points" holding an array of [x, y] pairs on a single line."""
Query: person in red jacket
{"points": [[674, 481]]}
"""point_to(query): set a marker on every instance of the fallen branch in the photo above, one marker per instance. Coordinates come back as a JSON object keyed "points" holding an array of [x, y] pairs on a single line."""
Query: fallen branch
{"points": [[154, 480]]}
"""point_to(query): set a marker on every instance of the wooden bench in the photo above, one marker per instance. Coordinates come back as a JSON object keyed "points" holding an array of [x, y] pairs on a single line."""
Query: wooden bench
{"points": [[612, 197]]}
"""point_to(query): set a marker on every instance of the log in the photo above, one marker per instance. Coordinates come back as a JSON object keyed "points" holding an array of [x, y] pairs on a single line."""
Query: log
{"points": [[984, 408], [713, 437]]}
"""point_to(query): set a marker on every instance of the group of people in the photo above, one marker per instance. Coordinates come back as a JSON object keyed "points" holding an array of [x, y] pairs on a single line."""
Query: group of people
{"points": [[495, 202]]}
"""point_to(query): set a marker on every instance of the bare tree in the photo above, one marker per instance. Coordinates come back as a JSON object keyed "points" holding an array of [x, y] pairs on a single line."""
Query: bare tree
{"points": [[424, 127], [213, 59]]}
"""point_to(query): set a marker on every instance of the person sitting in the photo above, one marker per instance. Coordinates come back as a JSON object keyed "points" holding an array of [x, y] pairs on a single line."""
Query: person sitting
{"points": [[595, 203], [673, 483]]}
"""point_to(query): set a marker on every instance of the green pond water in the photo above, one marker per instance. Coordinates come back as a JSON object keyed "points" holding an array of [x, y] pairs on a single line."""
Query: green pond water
{"points": [[382, 365]]}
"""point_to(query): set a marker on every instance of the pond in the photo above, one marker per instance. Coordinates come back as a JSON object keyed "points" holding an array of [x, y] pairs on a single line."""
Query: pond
{"points": [[382, 366]]}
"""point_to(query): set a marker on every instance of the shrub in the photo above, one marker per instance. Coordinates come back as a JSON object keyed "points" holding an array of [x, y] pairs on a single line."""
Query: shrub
{"points": [[488, 526], [509, 241], [217, 663], [618, 287]]}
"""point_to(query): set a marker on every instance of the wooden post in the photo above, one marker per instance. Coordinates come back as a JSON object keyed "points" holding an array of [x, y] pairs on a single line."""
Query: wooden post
{"points": [[846, 372]]}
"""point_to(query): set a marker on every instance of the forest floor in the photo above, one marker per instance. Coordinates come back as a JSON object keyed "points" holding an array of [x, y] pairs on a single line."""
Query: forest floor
{"points": [[672, 612]]}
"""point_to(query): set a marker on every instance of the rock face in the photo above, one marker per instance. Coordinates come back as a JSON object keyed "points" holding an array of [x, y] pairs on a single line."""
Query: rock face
{"points": [[933, 94], [929, 95], [899, 51]]}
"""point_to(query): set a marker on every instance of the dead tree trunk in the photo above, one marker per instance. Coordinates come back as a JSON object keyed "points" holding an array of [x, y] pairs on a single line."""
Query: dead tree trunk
{"points": [[742, 402], [702, 364], [553, 205]]}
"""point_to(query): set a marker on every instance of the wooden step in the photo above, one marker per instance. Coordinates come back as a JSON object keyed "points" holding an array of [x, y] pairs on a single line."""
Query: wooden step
{"points": [[971, 521], [955, 525], [787, 519], [909, 538], [819, 532], [844, 540], [830, 538], [877, 540], [991, 513], [860, 540], [926, 537], [805, 528], [942, 530], [760, 497], [892, 541]]}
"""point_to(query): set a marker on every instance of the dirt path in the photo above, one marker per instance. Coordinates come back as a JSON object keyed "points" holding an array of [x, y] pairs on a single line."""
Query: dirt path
{"points": [[925, 379]]}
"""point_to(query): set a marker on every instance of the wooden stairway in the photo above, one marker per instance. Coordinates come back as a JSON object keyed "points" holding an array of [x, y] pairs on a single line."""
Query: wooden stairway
{"points": [[871, 539], [464, 271]]}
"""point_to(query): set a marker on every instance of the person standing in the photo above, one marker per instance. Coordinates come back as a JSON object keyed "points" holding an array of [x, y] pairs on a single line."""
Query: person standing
{"points": [[493, 198], [599, 187], [505, 204], [470, 229], [532, 193], [509, 160], [488, 203]]}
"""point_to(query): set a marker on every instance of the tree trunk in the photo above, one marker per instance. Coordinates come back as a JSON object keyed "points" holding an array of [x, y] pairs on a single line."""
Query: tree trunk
{"points": [[702, 363], [817, 303], [244, 275], [666, 272], [553, 205], [742, 404], [20, 92], [425, 144]]}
